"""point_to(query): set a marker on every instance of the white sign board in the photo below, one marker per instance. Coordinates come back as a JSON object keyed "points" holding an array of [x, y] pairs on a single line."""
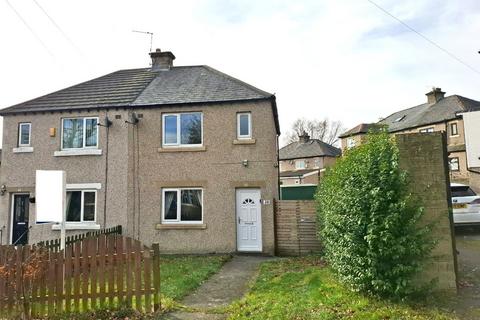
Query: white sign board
{"points": [[50, 195], [471, 122]]}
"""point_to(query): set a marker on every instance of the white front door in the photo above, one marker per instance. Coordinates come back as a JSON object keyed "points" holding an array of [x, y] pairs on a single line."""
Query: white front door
{"points": [[249, 220]]}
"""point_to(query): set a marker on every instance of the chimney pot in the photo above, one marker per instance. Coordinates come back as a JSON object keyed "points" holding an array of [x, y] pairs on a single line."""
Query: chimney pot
{"points": [[304, 137], [435, 95], [161, 61]]}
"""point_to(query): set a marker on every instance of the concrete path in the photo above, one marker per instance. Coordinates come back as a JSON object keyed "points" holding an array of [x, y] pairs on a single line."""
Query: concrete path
{"points": [[229, 284]]}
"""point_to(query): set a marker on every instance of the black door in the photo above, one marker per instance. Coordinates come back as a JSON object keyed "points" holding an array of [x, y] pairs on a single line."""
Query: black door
{"points": [[20, 219]]}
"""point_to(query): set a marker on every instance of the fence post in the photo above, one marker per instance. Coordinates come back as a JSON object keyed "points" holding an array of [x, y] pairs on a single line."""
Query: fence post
{"points": [[157, 304]]}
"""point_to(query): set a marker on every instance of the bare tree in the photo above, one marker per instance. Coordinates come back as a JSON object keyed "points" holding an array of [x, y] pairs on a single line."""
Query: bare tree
{"points": [[324, 130]]}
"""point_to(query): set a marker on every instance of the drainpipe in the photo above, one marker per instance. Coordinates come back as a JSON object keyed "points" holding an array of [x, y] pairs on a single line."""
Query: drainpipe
{"points": [[278, 169], [1, 235]]}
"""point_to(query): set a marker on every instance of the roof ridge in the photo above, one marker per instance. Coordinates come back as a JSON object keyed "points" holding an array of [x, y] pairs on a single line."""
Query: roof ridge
{"points": [[144, 88], [260, 91], [462, 102], [399, 111], [419, 105], [462, 105]]}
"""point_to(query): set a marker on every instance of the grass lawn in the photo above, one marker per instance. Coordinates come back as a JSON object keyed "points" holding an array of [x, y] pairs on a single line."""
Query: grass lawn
{"points": [[180, 275], [303, 288]]}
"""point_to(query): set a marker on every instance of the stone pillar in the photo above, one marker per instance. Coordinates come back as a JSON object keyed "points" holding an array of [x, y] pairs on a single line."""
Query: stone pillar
{"points": [[424, 157]]}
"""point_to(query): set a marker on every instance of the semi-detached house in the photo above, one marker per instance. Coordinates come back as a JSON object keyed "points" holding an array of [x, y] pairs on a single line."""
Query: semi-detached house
{"points": [[184, 156], [439, 113]]}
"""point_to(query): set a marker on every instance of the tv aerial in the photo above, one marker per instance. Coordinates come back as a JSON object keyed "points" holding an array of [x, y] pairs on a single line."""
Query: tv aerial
{"points": [[148, 33]]}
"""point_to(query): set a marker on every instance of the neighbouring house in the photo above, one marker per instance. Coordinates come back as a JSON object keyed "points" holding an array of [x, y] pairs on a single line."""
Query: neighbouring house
{"points": [[303, 161], [184, 156], [356, 135], [438, 113]]}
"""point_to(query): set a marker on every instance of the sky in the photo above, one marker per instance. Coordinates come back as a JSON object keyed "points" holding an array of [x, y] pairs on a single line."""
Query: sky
{"points": [[344, 60]]}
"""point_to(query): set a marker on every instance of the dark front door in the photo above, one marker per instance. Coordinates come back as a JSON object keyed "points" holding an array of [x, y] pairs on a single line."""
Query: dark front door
{"points": [[20, 219]]}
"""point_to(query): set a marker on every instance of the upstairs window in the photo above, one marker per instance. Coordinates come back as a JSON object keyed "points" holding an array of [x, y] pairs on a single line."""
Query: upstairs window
{"points": [[300, 164], [454, 164], [350, 143], [454, 129], [182, 129], [24, 133], [244, 125], [79, 133]]}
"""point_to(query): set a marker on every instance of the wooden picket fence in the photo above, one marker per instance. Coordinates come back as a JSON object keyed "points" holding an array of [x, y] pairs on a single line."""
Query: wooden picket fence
{"points": [[54, 244], [94, 273]]}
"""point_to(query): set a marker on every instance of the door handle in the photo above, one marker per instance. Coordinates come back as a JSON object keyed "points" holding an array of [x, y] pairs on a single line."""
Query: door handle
{"points": [[238, 220]]}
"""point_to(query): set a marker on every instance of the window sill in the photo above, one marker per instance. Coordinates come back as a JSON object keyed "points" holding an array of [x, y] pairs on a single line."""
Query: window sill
{"points": [[182, 149], [244, 141], [78, 226], [78, 152], [180, 226], [22, 150]]}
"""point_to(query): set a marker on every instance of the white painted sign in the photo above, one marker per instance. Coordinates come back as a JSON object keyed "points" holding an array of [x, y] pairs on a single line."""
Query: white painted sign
{"points": [[50, 195], [471, 122]]}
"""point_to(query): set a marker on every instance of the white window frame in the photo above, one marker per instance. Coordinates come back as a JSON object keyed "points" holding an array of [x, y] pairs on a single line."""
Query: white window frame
{"points": [[179, 130], [450, 164], [350, 143], [249, 135], [20, 144], [179, 206], [427, 130], [300, 161], [84, 134], [82, 204], [451, 131]]}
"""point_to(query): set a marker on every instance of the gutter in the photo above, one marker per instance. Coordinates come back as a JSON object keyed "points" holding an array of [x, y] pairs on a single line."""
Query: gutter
{"points": [[273, 101], [6, 112]]}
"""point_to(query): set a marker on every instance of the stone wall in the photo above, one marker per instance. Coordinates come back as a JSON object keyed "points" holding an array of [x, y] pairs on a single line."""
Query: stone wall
{"points": [[475, 181], [424, 157]]}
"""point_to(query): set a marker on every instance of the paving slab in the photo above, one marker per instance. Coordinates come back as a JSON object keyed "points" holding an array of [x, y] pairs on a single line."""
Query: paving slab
{"points": [[229, 284]]}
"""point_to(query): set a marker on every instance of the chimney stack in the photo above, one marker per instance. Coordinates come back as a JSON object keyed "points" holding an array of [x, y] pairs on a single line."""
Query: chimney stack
{"points": [[162, 61], [435, 95], [304, 137]]}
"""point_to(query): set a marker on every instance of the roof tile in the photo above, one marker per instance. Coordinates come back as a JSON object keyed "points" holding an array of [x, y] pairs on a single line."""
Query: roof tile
{"points": [[311, 148], [140, 87]]}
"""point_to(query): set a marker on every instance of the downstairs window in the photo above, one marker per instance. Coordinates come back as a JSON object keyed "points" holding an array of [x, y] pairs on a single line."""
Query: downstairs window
{"points": [[182, 205], [81, 206]]}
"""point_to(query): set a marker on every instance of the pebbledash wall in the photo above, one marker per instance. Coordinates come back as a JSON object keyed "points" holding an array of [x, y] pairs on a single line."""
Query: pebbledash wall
{"points": [[138, 169], [424, 157]]}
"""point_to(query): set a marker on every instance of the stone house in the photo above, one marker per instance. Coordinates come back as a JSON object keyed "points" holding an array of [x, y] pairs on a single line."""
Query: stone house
{"points": [[184, 156], [356, 136], [438, 113], [303, 161]]}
